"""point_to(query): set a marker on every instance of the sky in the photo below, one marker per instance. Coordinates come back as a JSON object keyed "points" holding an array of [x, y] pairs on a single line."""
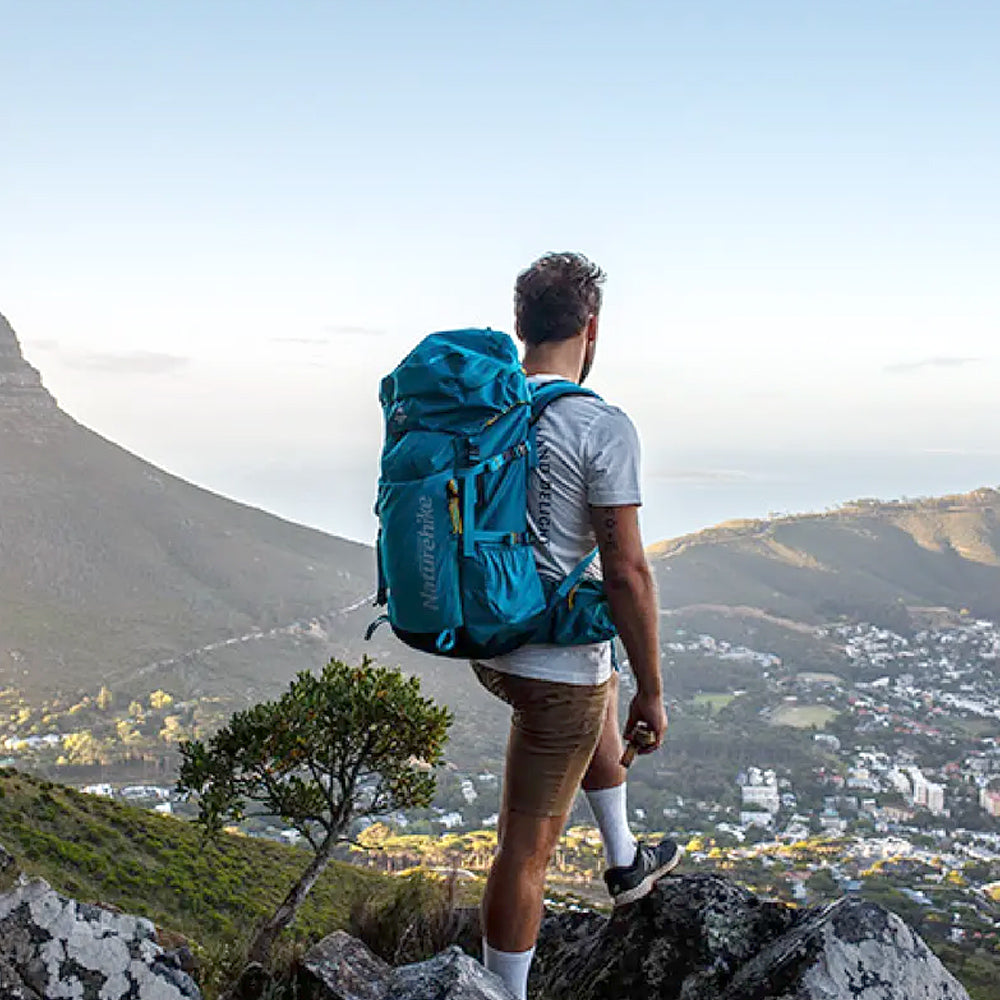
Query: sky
{"points": [[224, 222]]}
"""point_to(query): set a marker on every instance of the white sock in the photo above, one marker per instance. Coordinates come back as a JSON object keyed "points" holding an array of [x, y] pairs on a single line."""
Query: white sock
{"points": [[511, 966], [611, 813]]}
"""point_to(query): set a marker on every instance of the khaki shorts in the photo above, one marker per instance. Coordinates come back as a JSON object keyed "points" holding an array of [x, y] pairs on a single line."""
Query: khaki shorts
{"points": [[554, 731]]}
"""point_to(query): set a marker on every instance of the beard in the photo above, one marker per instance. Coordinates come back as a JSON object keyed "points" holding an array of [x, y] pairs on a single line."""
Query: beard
{"points": [[588, 363]]}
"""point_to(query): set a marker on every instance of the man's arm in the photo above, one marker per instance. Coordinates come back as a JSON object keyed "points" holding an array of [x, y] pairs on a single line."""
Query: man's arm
{"points": [[631, 590]]}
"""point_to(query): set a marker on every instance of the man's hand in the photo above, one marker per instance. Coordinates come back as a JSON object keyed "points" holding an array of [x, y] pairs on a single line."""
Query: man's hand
{"points": [[648, 709]]}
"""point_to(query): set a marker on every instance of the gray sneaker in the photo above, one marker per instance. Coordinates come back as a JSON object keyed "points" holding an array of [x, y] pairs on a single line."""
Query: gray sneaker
{"points": [[627, 885]]}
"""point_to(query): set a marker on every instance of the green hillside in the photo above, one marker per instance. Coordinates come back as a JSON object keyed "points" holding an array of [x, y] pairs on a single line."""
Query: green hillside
{"points": [[98, 851], [867, 560]]}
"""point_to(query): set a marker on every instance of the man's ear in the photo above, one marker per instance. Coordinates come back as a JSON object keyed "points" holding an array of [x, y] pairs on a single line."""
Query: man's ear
{"points": [[591, 328]]}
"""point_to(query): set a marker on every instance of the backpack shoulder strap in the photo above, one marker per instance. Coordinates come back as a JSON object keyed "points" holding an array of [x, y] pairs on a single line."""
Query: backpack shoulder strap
{"points": [[548, 392]]}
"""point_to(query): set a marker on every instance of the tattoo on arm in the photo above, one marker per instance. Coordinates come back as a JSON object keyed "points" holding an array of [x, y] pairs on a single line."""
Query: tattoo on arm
{"points": [[609, 525]]}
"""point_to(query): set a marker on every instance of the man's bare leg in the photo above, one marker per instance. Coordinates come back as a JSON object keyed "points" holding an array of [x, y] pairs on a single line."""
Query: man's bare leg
{"points": [[515, 894], [515, 889], [604, 785]]}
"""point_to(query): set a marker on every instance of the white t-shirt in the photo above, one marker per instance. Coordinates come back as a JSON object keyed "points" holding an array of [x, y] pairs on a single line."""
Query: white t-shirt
{"points": [[588, 456]]}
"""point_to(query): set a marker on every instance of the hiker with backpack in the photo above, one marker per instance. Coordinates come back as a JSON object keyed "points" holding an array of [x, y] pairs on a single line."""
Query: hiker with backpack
{"points": [[501, 483]]}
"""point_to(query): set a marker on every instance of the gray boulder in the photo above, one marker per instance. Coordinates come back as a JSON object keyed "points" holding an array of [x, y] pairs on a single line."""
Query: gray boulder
{"points": [[52, 947], [342, 968], [452, 975], [700, 937], [12, 985], [853, 949]]}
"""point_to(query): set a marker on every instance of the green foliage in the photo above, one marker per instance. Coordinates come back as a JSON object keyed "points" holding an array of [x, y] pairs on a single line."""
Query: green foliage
{"points": [[160, 700], [100, 851], [413, 919], [977, 969], [351, 741]]}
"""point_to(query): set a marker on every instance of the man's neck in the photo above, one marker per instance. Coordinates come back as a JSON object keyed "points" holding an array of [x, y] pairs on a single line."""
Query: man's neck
{"points": [[562, 359]]}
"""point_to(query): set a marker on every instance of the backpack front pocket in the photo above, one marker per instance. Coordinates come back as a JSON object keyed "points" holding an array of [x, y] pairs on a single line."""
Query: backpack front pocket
{"points": [[501, 585]]}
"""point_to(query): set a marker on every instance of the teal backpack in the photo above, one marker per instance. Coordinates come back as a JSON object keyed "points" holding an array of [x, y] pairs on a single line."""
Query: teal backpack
{"points": [[456, 568]]}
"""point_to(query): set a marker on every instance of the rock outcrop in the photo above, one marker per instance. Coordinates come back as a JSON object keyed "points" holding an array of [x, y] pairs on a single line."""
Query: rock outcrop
{"points": [[52, 947], [20, 384], [697, 937], [700, 937], [342, 968]]}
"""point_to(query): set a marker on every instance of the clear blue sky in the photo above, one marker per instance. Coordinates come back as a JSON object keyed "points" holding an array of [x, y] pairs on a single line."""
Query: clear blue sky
{"points": [[223, 221]]}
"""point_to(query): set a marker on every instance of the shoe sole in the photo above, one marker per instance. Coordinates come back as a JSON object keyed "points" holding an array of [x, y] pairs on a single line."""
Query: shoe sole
{"points": [[645, 887]]}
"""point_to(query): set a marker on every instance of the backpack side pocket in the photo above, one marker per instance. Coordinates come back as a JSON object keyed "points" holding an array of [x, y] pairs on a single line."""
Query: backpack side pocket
{"points": [[420, 555], [583, 616]]}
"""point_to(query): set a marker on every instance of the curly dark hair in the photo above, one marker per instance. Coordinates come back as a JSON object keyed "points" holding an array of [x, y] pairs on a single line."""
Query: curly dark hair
{"points": [[555, 296]]}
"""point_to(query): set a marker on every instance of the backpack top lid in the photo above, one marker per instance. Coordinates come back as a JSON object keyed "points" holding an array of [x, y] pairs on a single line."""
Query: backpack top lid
{"points": [[456, 379]]}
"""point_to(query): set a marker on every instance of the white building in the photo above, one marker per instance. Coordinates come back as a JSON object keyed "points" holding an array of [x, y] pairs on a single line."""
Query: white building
{"points": [[103, 789], [900, 782], [761, 797], [926, 793], [762, 819], [990, 801], [760, 791], [935, 798], [145, 792]]}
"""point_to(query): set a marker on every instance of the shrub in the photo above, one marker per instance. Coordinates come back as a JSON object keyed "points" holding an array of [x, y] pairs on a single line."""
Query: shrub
{"points": [[415, 918]]}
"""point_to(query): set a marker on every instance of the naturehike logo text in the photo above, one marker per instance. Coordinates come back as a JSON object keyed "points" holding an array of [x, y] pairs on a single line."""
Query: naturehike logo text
{"points": [[425, 543]]}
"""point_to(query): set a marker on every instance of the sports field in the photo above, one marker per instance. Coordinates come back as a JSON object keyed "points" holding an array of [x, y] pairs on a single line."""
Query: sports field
{"points": [[715, 700], [803, 716]]}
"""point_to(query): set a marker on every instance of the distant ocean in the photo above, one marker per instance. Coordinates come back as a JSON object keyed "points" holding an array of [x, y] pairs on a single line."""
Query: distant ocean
{"points": [[757, 484], [696, 492]]}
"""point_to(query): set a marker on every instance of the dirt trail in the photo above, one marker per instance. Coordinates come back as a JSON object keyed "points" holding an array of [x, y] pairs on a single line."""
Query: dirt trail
{"points": [[300, 626]]}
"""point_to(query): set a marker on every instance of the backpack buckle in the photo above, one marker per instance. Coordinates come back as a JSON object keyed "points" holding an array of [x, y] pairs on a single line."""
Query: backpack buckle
{"points": [[454, 511]]}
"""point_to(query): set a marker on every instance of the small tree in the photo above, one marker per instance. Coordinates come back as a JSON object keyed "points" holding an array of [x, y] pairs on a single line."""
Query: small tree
{"points": [[351, 742]]}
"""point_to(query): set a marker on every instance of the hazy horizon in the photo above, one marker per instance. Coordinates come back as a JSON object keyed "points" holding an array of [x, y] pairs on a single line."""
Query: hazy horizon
{"points": [[770, 484]]}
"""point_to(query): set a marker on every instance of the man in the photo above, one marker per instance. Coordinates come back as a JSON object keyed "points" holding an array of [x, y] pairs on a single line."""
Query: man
{"points": [[564, 729]]}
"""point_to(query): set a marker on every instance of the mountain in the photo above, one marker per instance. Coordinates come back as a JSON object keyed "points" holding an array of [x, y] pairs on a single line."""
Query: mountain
{"points": [[892, 564], [114, 570]]}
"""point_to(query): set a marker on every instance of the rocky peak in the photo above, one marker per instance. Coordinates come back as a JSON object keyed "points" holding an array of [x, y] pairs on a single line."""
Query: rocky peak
{"points": [[701, 937], [695, 937], [20, 384]]}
